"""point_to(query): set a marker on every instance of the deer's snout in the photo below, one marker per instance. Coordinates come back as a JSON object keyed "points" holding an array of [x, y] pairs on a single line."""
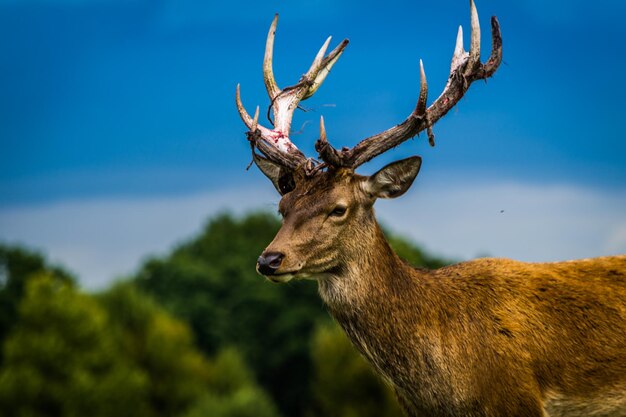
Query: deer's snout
{"points": [[269, 262]]}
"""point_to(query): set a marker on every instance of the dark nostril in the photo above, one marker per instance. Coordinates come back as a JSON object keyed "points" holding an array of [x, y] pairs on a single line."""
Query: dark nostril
{"points": [[275, 261], [268, 263]]}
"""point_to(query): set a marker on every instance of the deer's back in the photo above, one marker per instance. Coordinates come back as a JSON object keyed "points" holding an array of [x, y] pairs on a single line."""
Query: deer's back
{"points": [[556, 329]]}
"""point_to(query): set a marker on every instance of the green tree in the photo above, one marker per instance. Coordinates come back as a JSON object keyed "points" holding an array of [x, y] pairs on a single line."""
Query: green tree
{"points": [[344, 384], [233, 391], [62, 360], [17, 265], [118, 354], [161, 346]]}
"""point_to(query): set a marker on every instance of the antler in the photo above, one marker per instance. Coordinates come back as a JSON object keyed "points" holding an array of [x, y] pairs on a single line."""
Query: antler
{"points": [[464, 69], [274, 143]]}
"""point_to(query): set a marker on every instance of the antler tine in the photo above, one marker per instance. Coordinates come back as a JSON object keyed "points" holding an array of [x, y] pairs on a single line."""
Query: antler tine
{"points": [[245, 117], [322, 130], [268, 70], [255, 121], [326, 152], [325, 67], [420, 109], [464, 69], [495, 58], [474, 54], [459, 56], [251, 123], [320, 55]]}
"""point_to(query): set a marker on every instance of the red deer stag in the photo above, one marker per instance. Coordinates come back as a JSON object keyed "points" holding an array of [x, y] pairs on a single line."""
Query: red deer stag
{"points": [[488, 337]]}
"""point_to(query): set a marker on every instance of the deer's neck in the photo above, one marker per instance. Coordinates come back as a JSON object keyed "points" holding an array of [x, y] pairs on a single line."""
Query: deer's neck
{"points": [[374, 275], [373, 299]]}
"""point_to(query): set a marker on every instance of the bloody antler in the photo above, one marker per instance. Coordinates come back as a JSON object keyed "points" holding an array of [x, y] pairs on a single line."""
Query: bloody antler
{"points": [[275, 144]]}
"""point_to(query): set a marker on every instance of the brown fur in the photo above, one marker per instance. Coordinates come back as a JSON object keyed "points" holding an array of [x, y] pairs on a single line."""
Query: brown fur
{"points": [[488, 337]]}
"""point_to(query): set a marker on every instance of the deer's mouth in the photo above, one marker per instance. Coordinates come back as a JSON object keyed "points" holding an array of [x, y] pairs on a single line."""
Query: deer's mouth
{"points": [[281, 278], [300, 272], [284, 277]]}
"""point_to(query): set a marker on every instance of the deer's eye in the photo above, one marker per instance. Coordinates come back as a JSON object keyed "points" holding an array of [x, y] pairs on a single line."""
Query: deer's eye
{"points": [[338, 211]]}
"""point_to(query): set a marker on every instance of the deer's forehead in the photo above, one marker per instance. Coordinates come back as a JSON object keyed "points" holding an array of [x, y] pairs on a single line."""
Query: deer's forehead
{"points": [[318, 193]]}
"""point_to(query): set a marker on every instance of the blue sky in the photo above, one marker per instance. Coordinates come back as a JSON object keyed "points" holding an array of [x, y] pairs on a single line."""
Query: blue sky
{"points": [[131, 100]]}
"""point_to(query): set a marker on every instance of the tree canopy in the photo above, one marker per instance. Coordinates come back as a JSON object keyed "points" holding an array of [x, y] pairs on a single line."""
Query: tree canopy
{"points": [[17, 265], [61, 360]]}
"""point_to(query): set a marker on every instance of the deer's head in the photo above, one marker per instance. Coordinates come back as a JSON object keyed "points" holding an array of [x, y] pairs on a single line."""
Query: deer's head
{"points": [[327, 216], [326, 206]]}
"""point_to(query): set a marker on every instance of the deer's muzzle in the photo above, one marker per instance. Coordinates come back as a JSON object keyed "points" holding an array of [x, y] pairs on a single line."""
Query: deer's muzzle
{"points": [[269, 262]]}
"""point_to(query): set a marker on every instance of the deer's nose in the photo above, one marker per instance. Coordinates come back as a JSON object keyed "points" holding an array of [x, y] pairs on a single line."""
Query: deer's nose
{"points": [[269, 262]]}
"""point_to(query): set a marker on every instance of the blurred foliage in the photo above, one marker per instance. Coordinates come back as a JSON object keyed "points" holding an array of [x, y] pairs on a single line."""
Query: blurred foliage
{"points": [[16, 266], [161, 346], [228, 372], [344, 384], [195, 333], [115, 354], [234, 393], [61, 360]]}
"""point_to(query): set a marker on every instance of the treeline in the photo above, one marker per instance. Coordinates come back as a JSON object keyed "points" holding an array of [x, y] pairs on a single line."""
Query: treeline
{"points": [[196, 333]]}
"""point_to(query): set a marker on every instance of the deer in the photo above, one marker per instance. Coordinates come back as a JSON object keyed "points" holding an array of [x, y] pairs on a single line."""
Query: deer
{"points": [[485, 337]]}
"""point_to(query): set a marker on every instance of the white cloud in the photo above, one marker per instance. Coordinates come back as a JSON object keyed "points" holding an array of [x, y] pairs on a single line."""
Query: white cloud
{"points": [[532, 223], [101, 239], [617, 240], [105, 238]]}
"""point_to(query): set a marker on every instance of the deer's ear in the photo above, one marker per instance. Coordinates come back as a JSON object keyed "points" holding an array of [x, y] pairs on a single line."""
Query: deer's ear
{"points": [[280, 177], [394, 179]]}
